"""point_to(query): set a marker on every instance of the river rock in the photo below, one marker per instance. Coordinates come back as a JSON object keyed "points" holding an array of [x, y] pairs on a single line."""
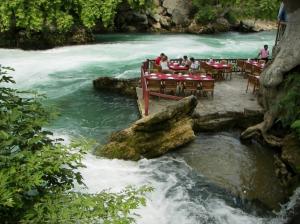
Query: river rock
{"points": [[121, 86], [291, 152], [179, 9], [154, 135]]}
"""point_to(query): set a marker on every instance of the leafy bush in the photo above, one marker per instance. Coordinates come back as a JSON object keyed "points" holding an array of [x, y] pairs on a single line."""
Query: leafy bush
{"points": [[296, 127], [38, 173], [231, 17], [59, 15], [206, 14], [289, 105], [209, 10]]}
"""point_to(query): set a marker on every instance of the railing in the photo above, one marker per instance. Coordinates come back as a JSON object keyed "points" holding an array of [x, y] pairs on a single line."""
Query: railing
{"points": [[147, 92], [148, 66], [150, 62]]}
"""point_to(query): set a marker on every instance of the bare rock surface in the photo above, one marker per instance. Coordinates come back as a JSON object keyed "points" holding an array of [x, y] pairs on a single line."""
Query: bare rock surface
{"points": [[154, 135]]}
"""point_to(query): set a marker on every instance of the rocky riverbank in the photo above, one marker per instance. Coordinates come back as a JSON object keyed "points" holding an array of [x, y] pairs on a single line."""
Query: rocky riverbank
{"points": [[157, 134], [177, 16], [168, 16]]}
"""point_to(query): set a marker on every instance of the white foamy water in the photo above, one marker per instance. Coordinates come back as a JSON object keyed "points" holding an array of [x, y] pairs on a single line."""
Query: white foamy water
{"points": [[65, 75]]}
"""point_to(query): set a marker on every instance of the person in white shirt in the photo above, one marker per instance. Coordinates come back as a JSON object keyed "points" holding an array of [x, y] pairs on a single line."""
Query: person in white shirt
{"points": [[164, 64], [194, 65]]}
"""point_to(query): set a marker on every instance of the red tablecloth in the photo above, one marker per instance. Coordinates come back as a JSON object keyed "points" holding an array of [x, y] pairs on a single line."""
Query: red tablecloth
{"points": [[161, 76], [218, 65], [177, 67], [256, 64]]}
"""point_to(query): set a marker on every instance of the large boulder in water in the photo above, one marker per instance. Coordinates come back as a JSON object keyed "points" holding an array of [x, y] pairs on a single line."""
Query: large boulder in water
{"points": [[154, 135]]}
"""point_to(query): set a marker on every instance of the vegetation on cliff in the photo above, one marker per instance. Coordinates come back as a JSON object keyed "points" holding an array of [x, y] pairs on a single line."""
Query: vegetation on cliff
{"points": [[38, 173], [209, 11], [55, 22]]}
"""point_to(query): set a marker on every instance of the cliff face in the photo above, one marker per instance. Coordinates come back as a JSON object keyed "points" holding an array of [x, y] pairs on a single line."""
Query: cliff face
{"points": [[179, 16]]}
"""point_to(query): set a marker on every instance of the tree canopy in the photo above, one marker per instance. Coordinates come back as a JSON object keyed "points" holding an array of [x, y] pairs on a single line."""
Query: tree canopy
{"points": [[58, 15]]}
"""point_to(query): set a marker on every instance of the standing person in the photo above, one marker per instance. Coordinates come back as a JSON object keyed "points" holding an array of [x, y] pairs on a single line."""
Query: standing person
{"points": [[264, 53], [282, 15], [158, 59]]}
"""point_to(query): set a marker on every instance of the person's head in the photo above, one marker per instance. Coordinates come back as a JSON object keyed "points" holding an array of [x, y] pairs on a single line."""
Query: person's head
{"points": [[185, 57], [266, 47], [164, 58], [162, 55], [192, 59]]}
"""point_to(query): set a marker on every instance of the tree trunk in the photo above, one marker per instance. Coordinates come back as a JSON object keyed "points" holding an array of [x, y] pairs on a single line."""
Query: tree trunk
{"points": [[286, 56]]}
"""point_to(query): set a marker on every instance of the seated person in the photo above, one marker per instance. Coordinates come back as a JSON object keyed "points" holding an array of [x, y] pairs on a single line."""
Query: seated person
{"points": [[194, 65], [164, 64], [158, 59], [186, 61]]}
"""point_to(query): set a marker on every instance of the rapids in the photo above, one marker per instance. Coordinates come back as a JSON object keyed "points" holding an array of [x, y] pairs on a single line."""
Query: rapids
{"points": [[188, 188]]}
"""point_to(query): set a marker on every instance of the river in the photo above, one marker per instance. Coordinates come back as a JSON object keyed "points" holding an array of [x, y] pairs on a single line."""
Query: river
{"points": [[202, 183]]}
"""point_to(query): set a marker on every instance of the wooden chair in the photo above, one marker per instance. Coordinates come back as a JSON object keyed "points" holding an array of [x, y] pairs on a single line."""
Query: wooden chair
{"points": [[154, 85], [216, 74], [208, 86], [228, 73], [240, 66], [253, 80], [248, 69], [190, 86], [171, 86], [256, 71]]}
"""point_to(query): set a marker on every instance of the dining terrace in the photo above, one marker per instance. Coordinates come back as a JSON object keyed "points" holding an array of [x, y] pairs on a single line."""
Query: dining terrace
{"points": [[220, 85]]}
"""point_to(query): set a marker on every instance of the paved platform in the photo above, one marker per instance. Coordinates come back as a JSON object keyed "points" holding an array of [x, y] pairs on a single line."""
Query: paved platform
{"points": [[229, 96]]}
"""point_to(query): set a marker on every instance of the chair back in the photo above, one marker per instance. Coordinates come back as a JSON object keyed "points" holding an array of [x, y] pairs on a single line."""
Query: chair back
{"points": [[240, 64], [154, 85], [256, 71], [208, 85], [190, 84], [248, 68], [170, 84]]}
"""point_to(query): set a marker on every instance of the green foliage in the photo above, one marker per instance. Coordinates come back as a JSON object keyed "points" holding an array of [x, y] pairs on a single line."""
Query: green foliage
{"points": [[296, 127], [208, 11], [38, 173], [58, 15], [206, 14], [289, 105]]}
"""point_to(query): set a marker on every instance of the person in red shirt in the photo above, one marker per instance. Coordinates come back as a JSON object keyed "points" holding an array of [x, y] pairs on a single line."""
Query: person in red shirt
{"points": [[158, 59]]}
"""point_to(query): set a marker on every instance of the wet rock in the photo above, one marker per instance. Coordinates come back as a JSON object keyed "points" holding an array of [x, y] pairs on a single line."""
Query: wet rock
{"points": [[165, 21], [154, 135], [226, 120], [179, 9], [291, 152], [122, 86], [251, 25]]}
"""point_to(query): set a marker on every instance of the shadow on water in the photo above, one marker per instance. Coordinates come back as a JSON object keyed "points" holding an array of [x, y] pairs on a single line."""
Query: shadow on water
{"points": [[246, 171], [93, 114]]}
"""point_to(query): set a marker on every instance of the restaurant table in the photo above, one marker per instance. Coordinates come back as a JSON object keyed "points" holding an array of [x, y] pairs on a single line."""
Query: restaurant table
{"points": [[177, 67], [178, 77], [255, 63], [217, 65]]}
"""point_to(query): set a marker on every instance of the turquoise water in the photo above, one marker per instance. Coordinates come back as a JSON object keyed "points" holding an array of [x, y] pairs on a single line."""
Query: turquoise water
{"points": [[182, 194]]}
